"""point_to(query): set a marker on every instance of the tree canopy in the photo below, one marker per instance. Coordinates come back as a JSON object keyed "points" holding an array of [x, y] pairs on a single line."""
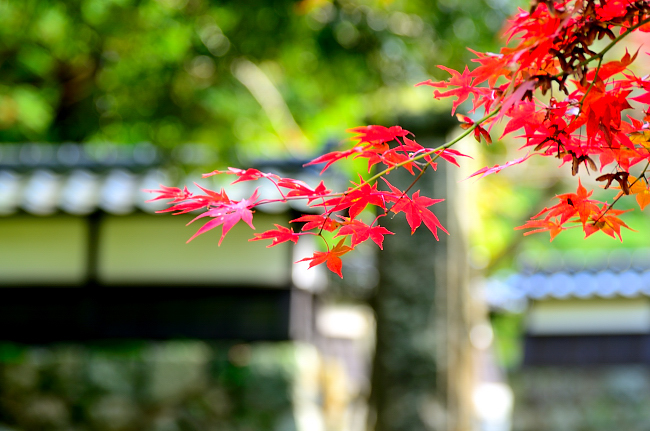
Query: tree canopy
{"points": [[246, 77]]}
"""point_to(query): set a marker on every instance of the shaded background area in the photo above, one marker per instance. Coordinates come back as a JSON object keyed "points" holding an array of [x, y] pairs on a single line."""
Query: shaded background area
{"points": [[182, 385]]}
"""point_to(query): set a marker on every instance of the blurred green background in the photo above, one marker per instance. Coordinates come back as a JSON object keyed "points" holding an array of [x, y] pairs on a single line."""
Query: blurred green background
{"points": [[250, 77]]}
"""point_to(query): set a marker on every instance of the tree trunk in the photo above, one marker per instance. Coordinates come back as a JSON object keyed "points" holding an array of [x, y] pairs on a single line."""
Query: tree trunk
{"points": [[422, 370]]}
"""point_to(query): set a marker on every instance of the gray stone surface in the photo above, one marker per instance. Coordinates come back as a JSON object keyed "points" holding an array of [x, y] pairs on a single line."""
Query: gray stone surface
{"points": [[581, 399], [172, 386]]}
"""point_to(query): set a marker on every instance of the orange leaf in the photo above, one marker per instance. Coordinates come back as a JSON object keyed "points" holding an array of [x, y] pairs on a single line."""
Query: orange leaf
{"points": [[542, 226], [643, 199], [330, 258]]}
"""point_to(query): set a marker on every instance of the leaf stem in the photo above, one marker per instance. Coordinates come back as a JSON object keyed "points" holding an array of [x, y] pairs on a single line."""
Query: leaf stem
{"points": [[610, 206], [435, 152], [621, 36]]}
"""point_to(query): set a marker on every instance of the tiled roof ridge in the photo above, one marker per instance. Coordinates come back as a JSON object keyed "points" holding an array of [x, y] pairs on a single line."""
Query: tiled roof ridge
{"points": [[67, 156], [577, 274], [78, 179], [578, 260]]}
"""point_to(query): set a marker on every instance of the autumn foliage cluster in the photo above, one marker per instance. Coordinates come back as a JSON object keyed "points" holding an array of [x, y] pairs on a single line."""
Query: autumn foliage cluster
{"points": [[548, 84]]}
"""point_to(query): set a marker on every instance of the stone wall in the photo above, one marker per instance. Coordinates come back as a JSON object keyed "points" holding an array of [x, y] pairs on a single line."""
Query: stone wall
{"points": [[581, 398], [171, 386]]}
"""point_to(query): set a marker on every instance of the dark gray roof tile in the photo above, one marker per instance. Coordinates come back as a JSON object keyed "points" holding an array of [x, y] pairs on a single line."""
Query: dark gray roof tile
{"points": [[78, 179], [10, 189], [79, 192], [620, 273], [41, 192]]}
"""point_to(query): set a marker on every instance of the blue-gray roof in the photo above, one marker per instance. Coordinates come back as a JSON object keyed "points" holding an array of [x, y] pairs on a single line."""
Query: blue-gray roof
{"points": [[573, 274], [44, 179]]}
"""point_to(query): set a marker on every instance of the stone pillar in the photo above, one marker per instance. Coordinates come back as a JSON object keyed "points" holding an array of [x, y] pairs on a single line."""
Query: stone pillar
{"points": [[422, 367]]}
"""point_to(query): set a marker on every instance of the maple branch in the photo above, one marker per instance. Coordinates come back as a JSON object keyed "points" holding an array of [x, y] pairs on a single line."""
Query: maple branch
{"points": [[610, 206], [286, 199], [449, 144], [424, 169], [435, 152], [584, 97], [329, 216], [514, 245], [619, 37], [469, 130], [604, 51]]}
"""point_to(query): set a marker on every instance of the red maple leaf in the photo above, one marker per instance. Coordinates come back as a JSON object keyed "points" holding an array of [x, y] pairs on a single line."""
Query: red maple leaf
{"points": [[196, 202], [173, 193], [492, 66], [513, 98], [228, 215], [551, 226], [572, 203], [479, 132], [374, 154], [462, 81], [415, 209], [609, 224], [279, 235], [612, 68], [243, 174], [212, 197], [523, 115], [185, 207], [416, 212], [393, 157], [413, 149], [357, 199], [612, 9], [378, 134], [317, 221], [331, 257], [333, 157], [448, 155], [361, 232], [496, 168], [300, 188]]}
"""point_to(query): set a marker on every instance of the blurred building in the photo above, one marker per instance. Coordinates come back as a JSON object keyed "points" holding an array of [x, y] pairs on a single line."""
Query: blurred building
{"points": [[586, 345], [581, 314], [75, 218], [84, 260]]}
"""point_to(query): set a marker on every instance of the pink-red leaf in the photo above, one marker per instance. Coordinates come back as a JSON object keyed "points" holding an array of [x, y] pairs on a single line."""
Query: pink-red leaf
{"points": [[378, 134], [333, 157], [361, 232], [243, 174], [331, 258], [496, 168], [416, 212], [173, 193], [227, 215], [279, 235], [299, 188], [317, 221]]}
